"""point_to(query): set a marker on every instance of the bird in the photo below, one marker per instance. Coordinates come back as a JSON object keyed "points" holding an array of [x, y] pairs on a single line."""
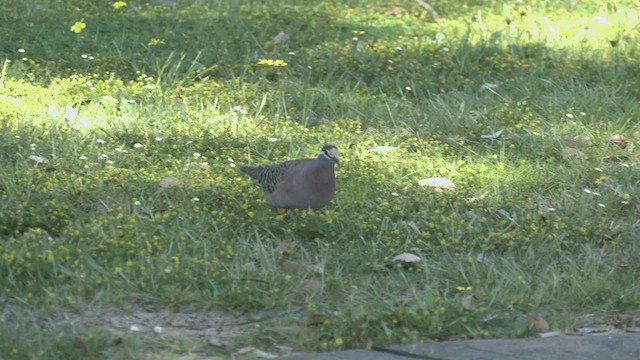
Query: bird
{"points": [[298, 184]]}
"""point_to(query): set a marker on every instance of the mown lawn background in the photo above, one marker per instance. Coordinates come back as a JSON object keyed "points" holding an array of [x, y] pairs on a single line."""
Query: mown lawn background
{"points": [[122, 124]]}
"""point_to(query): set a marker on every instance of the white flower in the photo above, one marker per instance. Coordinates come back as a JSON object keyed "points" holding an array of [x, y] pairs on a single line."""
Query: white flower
{"points": [[134, 328], [272, 139], [569, 116], [158, 138], [83, 157], [196, 155], [100, 141], [137, 145]]}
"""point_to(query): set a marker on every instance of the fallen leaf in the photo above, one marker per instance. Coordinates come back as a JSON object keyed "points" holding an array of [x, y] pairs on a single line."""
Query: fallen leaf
{"points": [[547, 334], [489, 86], [437, 183], [468, 302], [492, 136], [407, 258], [618, 140], [38, 159], [539, 323]]}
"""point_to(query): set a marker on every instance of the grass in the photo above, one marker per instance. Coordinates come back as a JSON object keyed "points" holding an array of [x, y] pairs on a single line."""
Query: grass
{"points": [[120, 197]]}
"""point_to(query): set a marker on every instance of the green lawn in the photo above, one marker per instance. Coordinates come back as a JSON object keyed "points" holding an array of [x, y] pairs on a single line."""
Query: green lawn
{"points": [[127, 231]]}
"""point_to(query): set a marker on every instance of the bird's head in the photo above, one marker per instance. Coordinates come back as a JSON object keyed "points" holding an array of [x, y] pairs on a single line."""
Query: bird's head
{"points": [[330, 153]]}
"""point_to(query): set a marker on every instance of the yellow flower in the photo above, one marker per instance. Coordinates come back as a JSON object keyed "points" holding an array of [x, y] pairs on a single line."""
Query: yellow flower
{"points": [[109, 100], [78, 26], [269, 62], [119, 5], [154, 42]]}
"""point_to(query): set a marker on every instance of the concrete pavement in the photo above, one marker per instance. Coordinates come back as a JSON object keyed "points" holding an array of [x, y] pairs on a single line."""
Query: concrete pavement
{"points": [[618, 346]]}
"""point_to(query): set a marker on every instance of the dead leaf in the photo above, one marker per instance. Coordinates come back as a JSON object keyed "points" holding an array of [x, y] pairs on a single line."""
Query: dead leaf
{"points": [[38, 159], [618, 140], [492, 136], [539, 323], [490, 86], [468, 302], [547, 334], [437, 183], [406, 258]]}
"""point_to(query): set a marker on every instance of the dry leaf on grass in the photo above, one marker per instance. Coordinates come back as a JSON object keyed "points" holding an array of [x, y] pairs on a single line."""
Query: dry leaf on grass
{"points": [[492, 136], [438, 183], [406, 258], [38, 159], [468, 302], [539, 323], [618, 140]]}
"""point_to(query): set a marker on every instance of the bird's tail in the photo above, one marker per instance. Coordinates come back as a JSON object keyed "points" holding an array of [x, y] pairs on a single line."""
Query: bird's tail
{"points": [[252, 171]]}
